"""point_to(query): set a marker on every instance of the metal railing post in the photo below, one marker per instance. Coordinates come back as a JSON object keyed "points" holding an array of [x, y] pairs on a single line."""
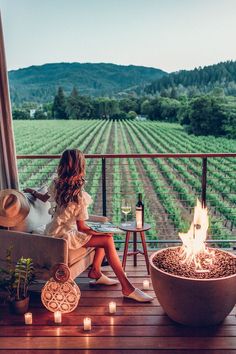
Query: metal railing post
{"points": [[104, 189], [204, 181]]}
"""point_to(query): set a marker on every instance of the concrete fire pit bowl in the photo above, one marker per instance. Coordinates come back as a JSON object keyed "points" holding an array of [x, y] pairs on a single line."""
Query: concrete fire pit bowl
{"points": [[191, 301]]}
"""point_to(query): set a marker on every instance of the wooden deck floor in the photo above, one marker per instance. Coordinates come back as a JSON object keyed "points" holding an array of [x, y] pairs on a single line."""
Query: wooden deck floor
{"points": [[135, 328]]}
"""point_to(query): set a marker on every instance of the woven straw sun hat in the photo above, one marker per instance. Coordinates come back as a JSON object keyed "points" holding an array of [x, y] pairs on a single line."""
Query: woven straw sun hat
{"points": [[14, 207]]}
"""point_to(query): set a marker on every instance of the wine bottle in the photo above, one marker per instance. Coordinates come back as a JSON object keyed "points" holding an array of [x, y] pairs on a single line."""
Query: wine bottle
{"points": [[139, 212]]}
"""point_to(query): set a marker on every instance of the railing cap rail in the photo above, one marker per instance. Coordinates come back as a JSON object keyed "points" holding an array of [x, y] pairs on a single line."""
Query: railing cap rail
{"points": [[114, 156]]}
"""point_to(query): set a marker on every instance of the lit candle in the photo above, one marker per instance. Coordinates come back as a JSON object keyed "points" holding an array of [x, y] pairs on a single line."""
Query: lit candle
{"points": [[57, 317], [28, 318], [112, 307], [87, 324], [146, 284]]}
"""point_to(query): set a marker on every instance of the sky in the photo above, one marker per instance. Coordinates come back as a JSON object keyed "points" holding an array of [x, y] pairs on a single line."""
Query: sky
{"points": [[166, 34]]}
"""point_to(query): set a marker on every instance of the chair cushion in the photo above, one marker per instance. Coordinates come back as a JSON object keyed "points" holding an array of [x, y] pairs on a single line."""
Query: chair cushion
{"points": [[37, 216], [76, 255]]}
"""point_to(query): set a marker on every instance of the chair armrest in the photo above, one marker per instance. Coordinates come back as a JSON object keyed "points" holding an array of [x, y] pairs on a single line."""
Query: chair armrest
{"points": [[98, 218], [45, 251]]}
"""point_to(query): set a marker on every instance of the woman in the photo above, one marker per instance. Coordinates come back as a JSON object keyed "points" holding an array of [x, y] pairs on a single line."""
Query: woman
{"points": [[69, 204]]}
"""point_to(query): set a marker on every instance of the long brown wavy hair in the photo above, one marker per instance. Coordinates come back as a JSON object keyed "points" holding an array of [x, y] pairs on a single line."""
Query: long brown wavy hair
{"points": [[70, 176]]}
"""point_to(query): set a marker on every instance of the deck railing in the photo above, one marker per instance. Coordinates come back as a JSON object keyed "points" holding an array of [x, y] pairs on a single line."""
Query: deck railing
{"points": [[170, 184]]}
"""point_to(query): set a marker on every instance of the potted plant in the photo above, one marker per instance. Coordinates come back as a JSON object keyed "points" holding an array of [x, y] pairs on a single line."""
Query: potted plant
{"points": [[16, 279]]}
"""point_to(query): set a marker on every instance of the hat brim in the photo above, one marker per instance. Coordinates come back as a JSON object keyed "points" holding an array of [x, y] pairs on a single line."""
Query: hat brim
{"points": [[7, 221]]}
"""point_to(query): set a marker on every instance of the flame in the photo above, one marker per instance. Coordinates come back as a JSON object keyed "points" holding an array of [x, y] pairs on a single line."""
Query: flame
{"points": [[194, 247]]}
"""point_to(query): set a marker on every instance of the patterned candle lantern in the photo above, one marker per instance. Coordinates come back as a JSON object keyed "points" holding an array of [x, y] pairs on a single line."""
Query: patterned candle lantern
{"points": [[60, 293]]}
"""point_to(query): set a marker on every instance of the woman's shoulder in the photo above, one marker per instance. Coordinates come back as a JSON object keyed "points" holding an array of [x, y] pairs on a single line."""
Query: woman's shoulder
{"points": [[87, 199], [83, 198]]}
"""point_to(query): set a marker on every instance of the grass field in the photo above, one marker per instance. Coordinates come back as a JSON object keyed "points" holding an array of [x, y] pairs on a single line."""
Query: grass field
{"points": [[169, 186]]}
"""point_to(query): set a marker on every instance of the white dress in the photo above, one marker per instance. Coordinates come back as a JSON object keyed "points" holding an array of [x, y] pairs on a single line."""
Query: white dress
{"points": [[63, 224]]}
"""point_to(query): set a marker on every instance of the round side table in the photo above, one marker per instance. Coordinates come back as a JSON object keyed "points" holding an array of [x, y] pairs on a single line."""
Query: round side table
{"points": [[131, 228]]}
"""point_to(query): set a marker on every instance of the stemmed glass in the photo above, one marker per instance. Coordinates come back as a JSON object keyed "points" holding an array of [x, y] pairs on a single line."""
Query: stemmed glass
{"points": [[126, 209]]}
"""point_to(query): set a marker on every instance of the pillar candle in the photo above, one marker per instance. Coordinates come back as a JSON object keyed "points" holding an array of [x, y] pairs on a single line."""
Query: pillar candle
{"points": [[112, 307], [57, 317], [28, 318], [146, 284], [87, 324]]}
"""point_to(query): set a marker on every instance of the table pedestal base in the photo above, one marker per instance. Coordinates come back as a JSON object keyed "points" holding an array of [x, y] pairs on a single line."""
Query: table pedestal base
{"points": [[136, 251]]}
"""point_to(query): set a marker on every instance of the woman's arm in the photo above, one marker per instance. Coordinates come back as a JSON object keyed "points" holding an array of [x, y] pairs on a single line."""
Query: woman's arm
{"points": [[43, 197], [84, 228]]}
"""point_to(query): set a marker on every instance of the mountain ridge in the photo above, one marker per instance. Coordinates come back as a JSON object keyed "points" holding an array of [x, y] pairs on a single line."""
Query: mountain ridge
{"points": [[199, 80], [39, 83]]}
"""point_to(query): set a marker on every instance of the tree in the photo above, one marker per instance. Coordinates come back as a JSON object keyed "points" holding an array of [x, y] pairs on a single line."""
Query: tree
{"points": [[73, 105], [218, 92], [106, 108], [145, 108], [20, 114], [155, 109], [59, 105], [112, 108], [40, 114], [120, 116], [86, 107], [128, 104], [169, 109], [183, 113], [207, 116], [173, 93], [230, 122], [131, 115], [230, 125], [47, 109]]}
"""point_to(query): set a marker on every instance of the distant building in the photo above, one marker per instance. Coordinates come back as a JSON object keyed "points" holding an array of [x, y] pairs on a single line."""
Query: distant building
{"points": [[32, 113], [140, 117]]}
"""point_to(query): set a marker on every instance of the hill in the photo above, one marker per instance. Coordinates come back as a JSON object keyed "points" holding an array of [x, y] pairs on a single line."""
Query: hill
{"points": [[200, 80], [40, 83]]}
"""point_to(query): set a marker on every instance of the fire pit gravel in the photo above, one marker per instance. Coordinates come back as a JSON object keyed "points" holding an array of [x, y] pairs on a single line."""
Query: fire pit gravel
{"points": [[170, 261]]}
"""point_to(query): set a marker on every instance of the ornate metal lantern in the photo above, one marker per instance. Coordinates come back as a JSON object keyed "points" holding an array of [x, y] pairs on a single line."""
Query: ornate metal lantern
{"points": [[60, 293]]}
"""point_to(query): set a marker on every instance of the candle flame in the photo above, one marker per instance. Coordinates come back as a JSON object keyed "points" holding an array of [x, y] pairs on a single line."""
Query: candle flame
{"points": [[194, 245]]}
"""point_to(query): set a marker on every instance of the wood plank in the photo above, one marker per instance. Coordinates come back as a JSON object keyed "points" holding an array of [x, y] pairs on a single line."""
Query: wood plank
{"points": [[135, 273], [88, 342], [121, 351], [87, 286], [94, 300], [97, 311], [101, 310], [83, 283], [118, 331], [105, 320], [108, 294]]}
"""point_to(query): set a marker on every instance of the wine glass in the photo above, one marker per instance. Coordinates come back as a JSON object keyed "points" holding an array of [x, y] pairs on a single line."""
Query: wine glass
{"points": [[126, 209]]}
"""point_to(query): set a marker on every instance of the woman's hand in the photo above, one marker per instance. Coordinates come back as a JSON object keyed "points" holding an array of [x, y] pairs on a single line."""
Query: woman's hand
{"points": [[81, 226], [95, 233], [29, 190], [43, 197]]}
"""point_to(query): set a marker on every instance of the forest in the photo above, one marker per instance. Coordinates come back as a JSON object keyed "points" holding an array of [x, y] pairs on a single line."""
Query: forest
{"points": [[203, 114], [198, 81]]}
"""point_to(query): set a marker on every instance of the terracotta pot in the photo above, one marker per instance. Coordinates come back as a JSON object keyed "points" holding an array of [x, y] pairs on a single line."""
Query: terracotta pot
{"points": [[194, 302], [19, 306]]}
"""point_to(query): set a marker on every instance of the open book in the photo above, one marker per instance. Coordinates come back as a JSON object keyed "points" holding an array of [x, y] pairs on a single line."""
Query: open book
{"points": [[104, 227]]}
